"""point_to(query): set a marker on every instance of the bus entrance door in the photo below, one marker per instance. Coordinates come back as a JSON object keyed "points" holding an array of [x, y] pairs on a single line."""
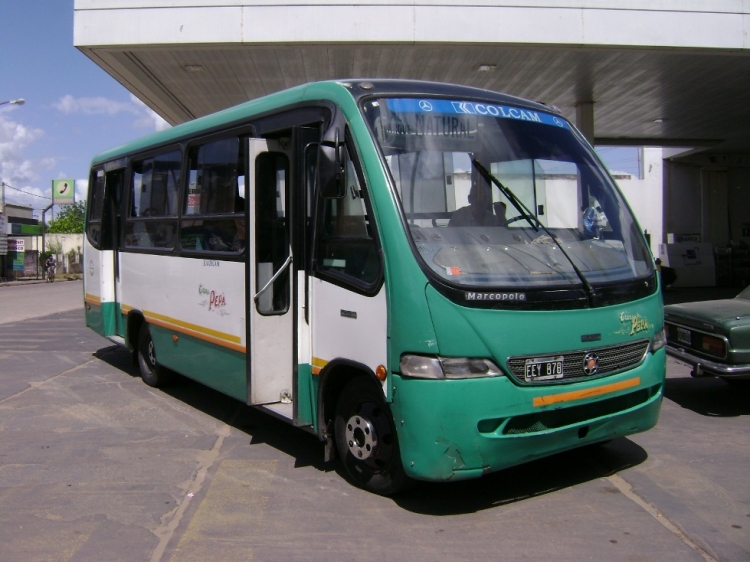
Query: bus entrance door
{"points": [[271, 337]]}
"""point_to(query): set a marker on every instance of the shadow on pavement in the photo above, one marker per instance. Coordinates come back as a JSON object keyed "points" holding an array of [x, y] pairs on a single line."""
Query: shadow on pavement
{"points": [[519, 483], [709, 396], [304, 447], [504, 487]]}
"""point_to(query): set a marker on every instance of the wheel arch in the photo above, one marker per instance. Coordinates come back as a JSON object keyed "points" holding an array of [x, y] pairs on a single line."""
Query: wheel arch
{"points": [[333, 378], [135, 321]]}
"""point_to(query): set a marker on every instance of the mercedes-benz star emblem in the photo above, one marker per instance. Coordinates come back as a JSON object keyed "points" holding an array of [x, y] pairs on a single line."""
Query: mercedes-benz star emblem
{"points": [[591, 364], [424, 105]]}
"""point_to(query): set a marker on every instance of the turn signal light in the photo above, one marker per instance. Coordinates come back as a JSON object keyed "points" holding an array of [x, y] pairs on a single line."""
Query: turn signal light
{"points": [[714, 346]]}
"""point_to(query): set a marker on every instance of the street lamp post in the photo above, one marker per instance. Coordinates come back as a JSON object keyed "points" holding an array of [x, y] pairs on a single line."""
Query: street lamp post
{"points": [[19, 101]]}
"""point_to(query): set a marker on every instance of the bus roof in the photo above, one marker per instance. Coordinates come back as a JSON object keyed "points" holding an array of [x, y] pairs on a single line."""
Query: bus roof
{"points": [[334, 90]]}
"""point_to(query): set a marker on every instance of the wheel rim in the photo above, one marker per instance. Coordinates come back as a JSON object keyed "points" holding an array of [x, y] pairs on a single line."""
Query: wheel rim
{"points": [[150, 353], [361, 437], [371, 436]]}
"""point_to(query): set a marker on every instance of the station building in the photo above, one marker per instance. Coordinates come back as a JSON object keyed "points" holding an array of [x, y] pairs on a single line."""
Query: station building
{"points": [[646, 73]]}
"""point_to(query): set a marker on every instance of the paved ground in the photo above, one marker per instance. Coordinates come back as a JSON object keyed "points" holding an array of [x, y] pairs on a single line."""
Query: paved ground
{"points": [[95, 465]]}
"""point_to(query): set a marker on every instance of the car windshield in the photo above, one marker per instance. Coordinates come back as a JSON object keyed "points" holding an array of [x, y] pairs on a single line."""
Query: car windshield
{"points": [[503, 196]]}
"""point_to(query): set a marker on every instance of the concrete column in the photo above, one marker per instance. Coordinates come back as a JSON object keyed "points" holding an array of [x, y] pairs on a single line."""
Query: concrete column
{"points": [[585, 119]]}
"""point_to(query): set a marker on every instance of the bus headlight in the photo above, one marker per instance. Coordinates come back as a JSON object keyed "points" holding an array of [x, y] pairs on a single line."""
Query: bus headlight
{"points": [[659, 341], [422, 367]]}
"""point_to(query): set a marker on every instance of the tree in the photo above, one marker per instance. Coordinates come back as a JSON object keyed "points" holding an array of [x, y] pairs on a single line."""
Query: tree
{"points": [[70, 220]]}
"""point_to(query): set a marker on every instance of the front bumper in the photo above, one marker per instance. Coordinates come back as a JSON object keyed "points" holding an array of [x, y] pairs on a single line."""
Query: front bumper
{"points": [[460, 429], [706, 367]]}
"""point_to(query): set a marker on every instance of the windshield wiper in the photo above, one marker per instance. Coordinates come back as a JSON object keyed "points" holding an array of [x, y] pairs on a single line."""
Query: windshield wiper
{"points": [[528, 215], [509, 195]]}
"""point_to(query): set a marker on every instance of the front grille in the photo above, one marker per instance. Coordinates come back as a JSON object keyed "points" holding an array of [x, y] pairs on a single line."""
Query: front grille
{"points": [[612, 360]]}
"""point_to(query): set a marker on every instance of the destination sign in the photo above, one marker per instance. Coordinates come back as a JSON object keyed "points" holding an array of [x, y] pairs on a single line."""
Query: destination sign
{"points": [[460, 108]]}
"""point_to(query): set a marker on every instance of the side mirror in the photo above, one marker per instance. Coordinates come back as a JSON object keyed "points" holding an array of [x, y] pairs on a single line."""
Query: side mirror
{"points": [[331, 172]]}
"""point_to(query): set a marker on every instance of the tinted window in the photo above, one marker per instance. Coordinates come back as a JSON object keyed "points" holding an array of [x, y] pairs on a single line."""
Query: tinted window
{"points": [[153, 201], [214, 205]]}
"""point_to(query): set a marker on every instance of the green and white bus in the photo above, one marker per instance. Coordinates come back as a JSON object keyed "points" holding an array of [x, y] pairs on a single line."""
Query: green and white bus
{"points": [[437, 281]]}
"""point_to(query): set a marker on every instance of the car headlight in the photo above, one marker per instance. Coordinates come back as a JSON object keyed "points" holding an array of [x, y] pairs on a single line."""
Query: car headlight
{"points": [[659, 341], [423, 367]]}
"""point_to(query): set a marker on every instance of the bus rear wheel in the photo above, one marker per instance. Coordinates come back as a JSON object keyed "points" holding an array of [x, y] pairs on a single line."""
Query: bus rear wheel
{"points": [[366, 439], [151, 372]]}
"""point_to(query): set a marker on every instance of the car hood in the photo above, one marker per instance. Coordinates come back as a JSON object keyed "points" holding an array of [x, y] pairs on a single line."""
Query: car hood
{"points": [[713, 312]]}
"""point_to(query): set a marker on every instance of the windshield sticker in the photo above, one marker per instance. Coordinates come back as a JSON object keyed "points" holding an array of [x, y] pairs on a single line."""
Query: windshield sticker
{"points": [[494, 296], [474, 108], [452, 271]]}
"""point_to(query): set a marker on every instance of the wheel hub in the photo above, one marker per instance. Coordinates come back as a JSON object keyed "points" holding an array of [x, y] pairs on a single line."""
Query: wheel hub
{"points": [[361, 437]]}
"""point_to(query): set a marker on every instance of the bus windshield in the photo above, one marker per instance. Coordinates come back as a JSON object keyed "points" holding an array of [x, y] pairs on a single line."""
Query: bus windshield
{"points": [[499, 196]]}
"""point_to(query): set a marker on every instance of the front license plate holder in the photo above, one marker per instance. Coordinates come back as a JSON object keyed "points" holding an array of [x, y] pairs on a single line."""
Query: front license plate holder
{"points": [[683, 336], [544, 368]]}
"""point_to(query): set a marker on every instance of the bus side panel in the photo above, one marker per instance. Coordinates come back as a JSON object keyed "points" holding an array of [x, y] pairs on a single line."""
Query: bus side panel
{"points": [[98, 290], [196, 311], [346, 325], [207, 363], [307, 385]]}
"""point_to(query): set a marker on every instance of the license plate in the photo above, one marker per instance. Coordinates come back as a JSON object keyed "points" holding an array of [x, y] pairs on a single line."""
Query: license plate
{"points": [[683, 336], [544, 368]]}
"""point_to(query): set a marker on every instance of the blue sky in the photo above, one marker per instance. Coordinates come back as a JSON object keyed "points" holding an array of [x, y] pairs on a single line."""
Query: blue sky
{"points": [[73, 108]]}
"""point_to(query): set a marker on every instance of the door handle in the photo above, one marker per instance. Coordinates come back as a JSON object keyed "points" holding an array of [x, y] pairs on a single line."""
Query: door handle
{"points": [[273, 278]]}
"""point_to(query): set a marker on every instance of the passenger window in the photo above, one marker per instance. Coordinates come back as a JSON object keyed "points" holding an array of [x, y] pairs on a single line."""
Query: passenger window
{"points": [[214, 208], [347, 245], [152, 221]]}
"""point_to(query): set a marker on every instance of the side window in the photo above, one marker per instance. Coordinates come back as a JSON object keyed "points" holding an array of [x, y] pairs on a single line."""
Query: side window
{"points": [[152, 220], [346, 245], [94, 217], [214, 205]]}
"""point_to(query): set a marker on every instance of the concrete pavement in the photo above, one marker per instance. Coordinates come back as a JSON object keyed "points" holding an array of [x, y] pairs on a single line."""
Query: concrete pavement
{"points": [[95, 465]]}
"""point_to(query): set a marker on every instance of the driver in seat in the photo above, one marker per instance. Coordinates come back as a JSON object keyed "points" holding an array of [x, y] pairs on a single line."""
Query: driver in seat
{"points": [[479, 211]]}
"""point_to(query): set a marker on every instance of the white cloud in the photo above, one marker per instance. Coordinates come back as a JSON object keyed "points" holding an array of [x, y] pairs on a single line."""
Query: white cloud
{"points": [[145, 117], [149, 118], [17, 170], [93, 106]]}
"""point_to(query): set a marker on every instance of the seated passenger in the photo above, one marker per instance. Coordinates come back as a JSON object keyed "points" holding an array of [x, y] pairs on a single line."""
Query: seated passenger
{"points": [[479, 210]]}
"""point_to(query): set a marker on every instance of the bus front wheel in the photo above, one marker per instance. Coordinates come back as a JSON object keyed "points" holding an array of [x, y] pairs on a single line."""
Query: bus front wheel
{"points": [[151, 373], [366, 439]]}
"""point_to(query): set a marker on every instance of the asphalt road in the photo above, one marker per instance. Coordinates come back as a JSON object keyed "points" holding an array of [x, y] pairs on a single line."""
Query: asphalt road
{"points": [[95, 465]]}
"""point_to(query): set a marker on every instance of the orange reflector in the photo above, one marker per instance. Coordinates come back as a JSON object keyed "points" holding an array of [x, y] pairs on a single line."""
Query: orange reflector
{"points": [[713, 345], [381, 373], [175, 337]]}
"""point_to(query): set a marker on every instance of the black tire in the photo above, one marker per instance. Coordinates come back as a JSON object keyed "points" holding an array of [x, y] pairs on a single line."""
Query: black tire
{"points": [[366, 439], [151, 372]]}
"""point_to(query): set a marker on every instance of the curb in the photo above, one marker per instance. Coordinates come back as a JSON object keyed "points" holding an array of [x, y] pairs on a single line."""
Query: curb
{"points": [[34, 282]]}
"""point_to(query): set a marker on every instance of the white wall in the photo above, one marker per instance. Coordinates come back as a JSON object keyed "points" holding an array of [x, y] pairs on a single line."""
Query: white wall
{"points": [[69, 242], [645, 196]]}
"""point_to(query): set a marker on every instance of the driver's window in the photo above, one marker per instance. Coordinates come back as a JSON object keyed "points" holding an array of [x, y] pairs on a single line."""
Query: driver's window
{"points": [[346, 245]]}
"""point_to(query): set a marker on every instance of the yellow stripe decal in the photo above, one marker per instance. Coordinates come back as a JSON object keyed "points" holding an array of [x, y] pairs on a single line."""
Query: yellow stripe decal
{"points": [[92, 299], [317, 365], [206, 334], [589, 393], [152, 316]]}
